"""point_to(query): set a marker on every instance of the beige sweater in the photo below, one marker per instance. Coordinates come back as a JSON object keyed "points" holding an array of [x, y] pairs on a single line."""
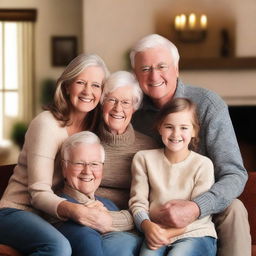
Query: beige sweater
{"points": [[120, 150], [37, 174], [156, 181]]}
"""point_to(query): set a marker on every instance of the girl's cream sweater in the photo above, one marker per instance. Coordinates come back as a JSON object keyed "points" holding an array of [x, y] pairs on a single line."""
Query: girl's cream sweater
{"points": [[155, 181]]}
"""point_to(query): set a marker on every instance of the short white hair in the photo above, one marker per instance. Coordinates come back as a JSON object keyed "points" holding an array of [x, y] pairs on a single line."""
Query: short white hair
{"points": [[122, 79], [85, 137], [154, 41]]}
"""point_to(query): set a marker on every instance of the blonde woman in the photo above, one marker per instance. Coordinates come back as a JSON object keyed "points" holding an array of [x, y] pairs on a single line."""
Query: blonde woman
{"points": [[36, 177]]}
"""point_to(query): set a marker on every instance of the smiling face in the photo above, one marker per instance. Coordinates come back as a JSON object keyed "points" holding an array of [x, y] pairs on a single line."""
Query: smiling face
{"points": [[156, 73], [177, 131], [118, 109], [86, 179], [85, 91]]}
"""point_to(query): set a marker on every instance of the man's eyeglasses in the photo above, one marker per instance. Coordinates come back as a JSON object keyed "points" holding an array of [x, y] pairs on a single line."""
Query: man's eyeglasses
{"points": [[79, 166], [124, 103], [159, 68]]}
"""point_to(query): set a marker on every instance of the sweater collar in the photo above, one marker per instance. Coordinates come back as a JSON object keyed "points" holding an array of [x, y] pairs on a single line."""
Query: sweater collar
{"points": [[127, 138], [77, 195]]}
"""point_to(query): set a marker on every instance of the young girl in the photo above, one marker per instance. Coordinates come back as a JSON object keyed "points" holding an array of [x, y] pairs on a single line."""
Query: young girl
{"points": [[173, 172]]}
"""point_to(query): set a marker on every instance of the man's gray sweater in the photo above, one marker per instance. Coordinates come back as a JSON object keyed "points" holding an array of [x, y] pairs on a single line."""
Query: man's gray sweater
{"points": [[217, 141]]}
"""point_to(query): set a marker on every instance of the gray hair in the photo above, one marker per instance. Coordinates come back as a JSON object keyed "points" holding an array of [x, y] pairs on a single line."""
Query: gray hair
{"points": [[121, 79], [153, 41], [76, 139]]}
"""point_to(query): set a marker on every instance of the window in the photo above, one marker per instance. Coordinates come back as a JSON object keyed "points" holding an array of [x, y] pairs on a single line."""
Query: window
{"points": [[16, 70]]}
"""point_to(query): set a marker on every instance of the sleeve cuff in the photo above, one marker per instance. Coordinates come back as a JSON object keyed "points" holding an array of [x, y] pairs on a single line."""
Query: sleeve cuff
{"points": [[204, 203], [139, 217]]}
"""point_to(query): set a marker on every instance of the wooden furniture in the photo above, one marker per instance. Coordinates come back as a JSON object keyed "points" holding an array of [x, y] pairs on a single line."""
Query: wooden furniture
{"points": [[248, 197]]}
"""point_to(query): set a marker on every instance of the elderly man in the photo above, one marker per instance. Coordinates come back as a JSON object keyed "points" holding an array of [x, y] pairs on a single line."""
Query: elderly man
{"points": [[155, 63], [83, 158]]}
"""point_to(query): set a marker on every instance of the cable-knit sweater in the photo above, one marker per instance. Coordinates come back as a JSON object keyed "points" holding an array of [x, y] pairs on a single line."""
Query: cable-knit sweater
{"points": [[217, 141], [121, 220], [120, 150], [155, 181]]}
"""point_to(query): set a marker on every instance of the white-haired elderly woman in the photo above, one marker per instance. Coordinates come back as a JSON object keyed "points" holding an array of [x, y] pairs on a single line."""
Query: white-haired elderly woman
{"points": [[31, 188], [83, 159], [121, 97]]}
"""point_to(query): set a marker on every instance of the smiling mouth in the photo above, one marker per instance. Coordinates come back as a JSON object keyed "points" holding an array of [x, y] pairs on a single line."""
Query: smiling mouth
{"points": [[86, 179], [86, 100], [175, 141], [156, 84], [116, 116]]}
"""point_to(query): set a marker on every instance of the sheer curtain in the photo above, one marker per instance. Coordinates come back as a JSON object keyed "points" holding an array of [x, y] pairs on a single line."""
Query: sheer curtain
{"points": [[26, 71], [16, 75]]}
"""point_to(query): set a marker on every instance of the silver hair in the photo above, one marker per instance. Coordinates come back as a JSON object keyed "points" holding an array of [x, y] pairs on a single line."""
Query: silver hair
{"points": [[85, 137], [153, 41], [74, 68], [121, 79]]}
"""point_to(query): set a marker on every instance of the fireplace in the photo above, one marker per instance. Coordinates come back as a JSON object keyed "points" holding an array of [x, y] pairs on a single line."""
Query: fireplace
{"points": [[244, 122]]}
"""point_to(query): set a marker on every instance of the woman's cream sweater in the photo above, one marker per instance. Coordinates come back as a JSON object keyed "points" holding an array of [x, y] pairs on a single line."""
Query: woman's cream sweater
{"points": [[38, 173]]}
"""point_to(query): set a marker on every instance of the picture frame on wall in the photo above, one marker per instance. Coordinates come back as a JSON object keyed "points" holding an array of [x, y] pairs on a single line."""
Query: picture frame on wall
{"points": [[64, 49]]}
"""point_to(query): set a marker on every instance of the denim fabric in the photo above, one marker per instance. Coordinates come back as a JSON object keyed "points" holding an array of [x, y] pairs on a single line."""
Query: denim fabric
{"points": [[30, 234], [191, 246], [121, 244], [84, 241]]}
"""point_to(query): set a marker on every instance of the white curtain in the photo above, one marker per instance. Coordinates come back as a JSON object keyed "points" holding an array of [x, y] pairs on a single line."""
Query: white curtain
{"points": [[26, 71], [16, 75]]}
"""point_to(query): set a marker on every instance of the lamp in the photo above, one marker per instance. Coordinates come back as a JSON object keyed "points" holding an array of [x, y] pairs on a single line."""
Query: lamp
{"points": [[190, 28]]}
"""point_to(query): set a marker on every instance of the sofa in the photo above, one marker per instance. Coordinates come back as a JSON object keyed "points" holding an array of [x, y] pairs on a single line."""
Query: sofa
{"points": [[248, 197]]}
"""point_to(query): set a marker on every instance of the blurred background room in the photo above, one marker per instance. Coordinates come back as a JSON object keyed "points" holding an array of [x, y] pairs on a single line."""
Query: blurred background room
{"points": [[216, 40]]}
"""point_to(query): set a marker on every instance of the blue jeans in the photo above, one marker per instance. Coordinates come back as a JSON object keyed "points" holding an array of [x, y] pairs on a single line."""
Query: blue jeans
{"points": [[86, 241], [190, 246], [30, 234], [121, 244]]}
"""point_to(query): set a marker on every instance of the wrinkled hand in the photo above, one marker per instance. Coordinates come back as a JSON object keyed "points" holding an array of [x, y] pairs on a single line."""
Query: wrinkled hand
{"points": [[96, 217], [97, 204], [176, 213], [155, 235]]}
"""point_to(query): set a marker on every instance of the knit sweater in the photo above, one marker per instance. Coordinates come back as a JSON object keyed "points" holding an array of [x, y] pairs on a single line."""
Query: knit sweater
{"points": [[155, 181], [121, 220], [38, 173], [217, 141], [120, 149]]}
